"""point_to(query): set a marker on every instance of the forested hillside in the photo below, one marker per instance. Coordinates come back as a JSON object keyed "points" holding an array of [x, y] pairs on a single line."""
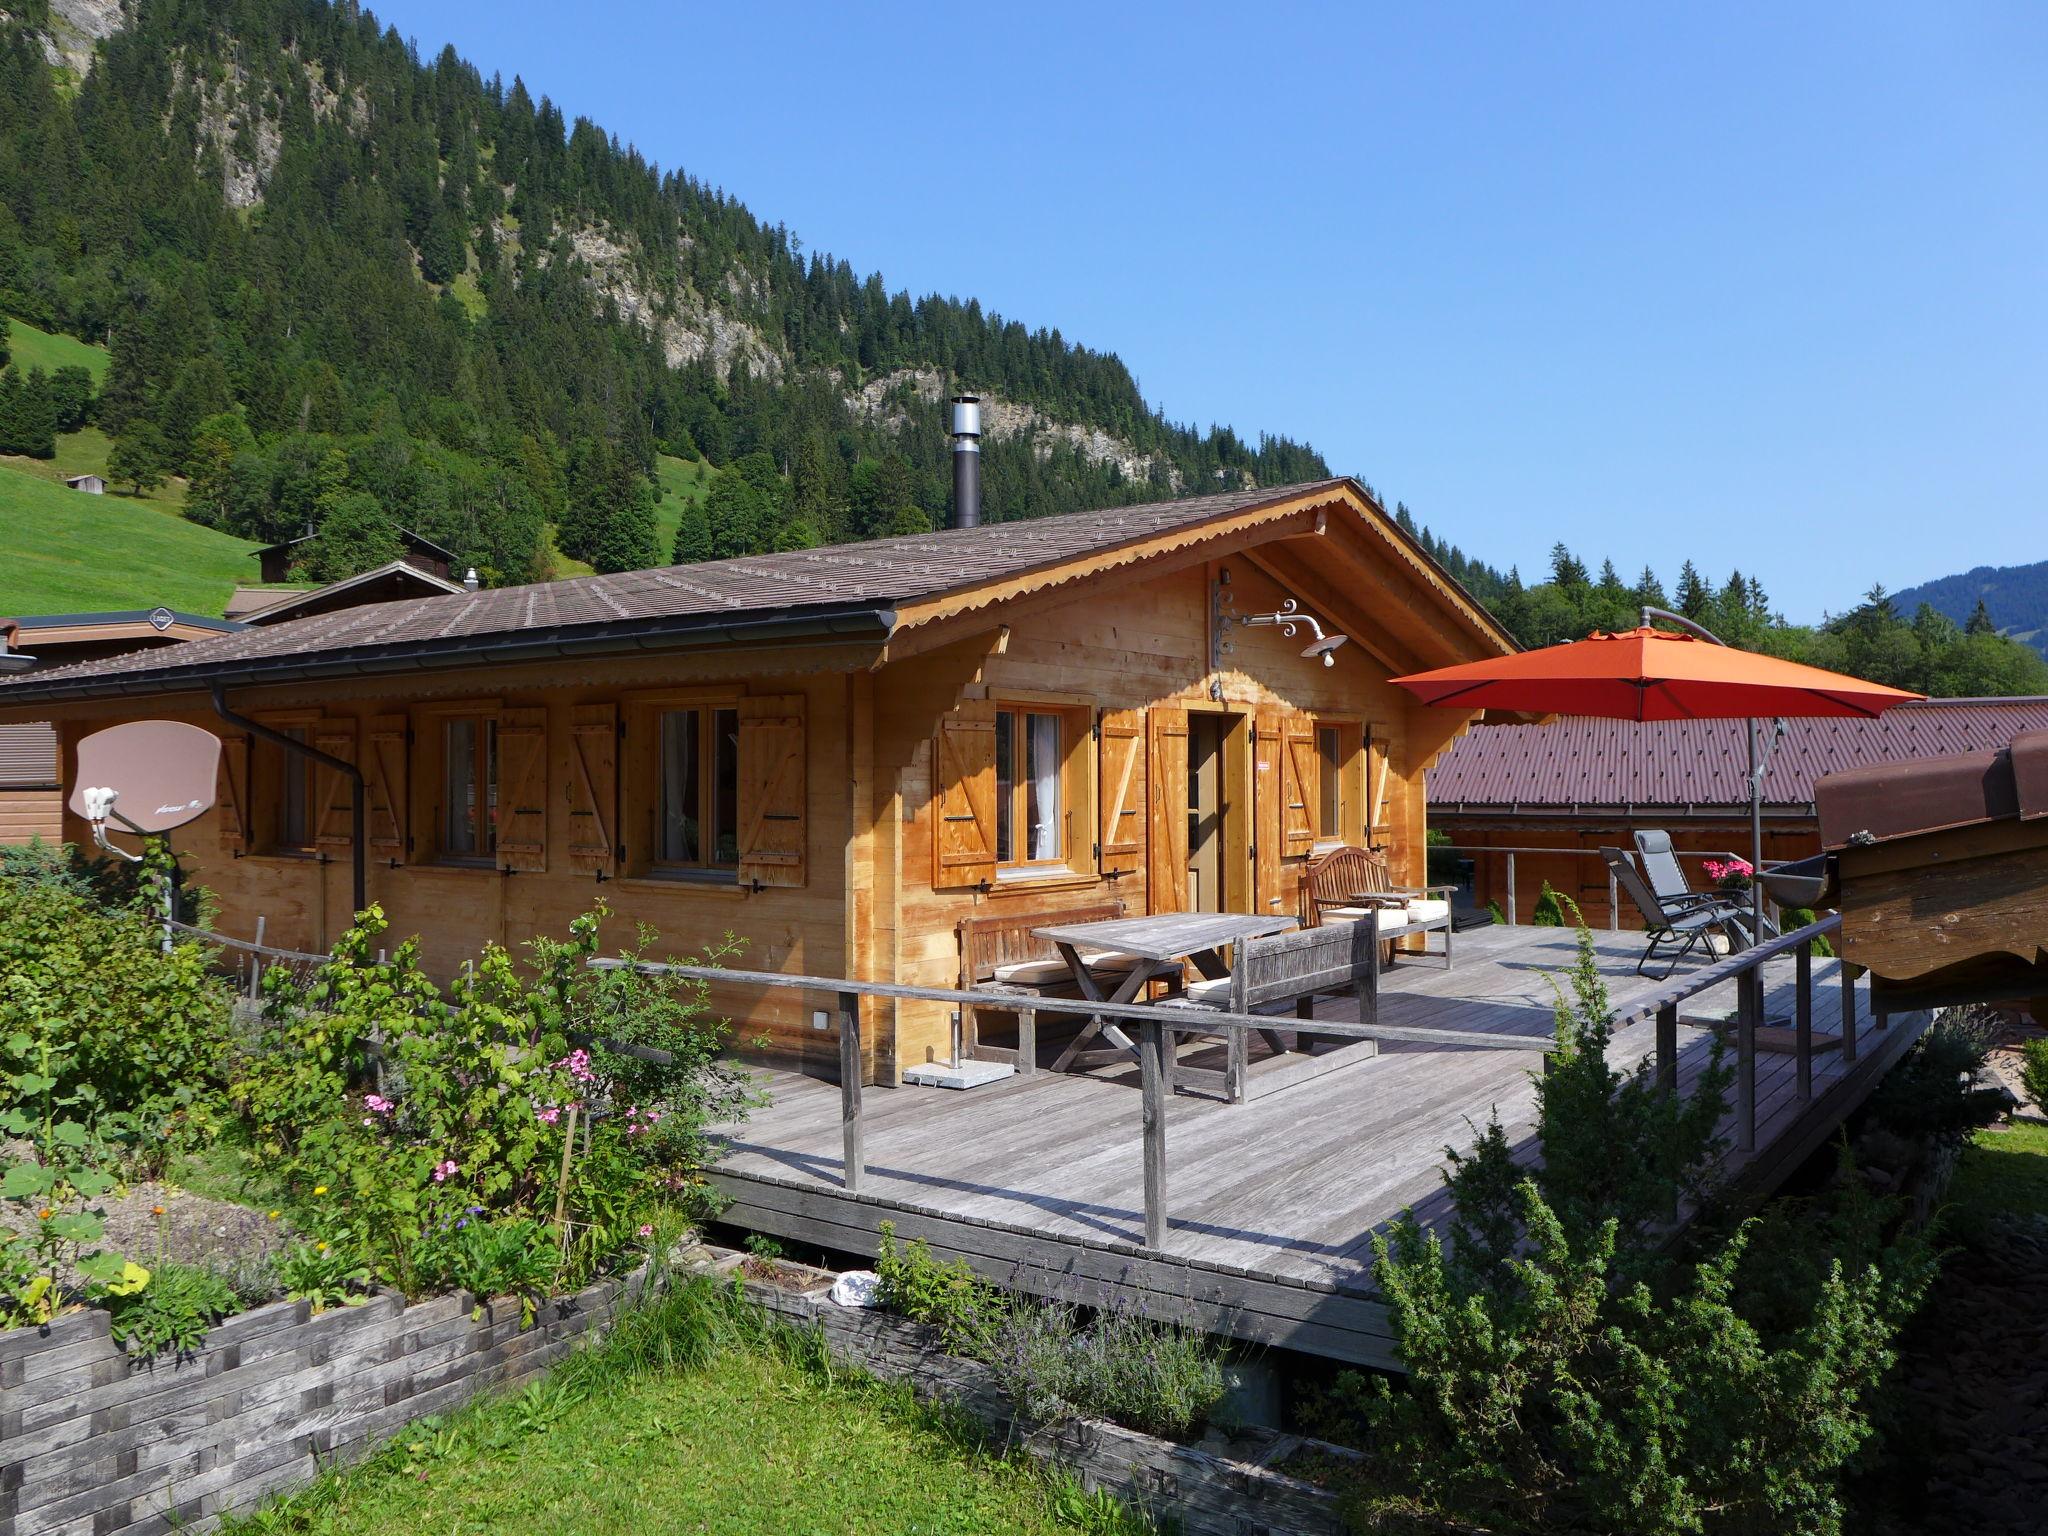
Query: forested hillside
{"points": [[334, 275], [2013, 599]]}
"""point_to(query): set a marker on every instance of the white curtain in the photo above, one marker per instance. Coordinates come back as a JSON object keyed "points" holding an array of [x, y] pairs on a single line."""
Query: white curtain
{"points": [[1045, 786]]}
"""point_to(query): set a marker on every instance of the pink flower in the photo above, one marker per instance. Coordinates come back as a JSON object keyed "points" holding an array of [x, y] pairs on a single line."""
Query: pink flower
{"points": [[549, 1115], [442, 1170], [377, 1104], [646, 1229], [578, 1063]]}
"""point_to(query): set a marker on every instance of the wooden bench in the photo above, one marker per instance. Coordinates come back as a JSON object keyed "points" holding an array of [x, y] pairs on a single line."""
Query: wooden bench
{"points": [[1285, 973], [994, 949], [1354, 885]]}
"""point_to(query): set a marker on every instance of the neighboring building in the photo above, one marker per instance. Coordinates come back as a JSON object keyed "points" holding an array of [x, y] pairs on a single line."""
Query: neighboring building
{"points": [[31, 799], [275, 560], [1583, 783], [92, 485], [386, 584], [836, 754]]}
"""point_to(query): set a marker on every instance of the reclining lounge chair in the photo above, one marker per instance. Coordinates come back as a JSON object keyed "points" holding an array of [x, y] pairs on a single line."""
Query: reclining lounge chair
{"points": [[1678, 926]]}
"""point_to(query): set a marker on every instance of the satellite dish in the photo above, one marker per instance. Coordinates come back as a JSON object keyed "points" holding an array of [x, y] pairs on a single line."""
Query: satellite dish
{"points": [[148, 775]]}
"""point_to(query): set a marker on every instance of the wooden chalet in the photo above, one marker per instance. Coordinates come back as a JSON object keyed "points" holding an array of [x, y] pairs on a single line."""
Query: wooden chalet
{"points": [[836, 755]]}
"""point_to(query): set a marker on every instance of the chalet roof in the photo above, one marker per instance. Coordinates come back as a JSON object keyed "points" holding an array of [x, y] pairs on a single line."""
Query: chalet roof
{"points": [[1578, 762], [406, 536], [349, 592], [845, 591]]}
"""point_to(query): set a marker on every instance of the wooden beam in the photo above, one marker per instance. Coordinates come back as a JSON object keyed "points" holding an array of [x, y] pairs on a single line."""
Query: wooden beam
{"points": [[1286, 566]]}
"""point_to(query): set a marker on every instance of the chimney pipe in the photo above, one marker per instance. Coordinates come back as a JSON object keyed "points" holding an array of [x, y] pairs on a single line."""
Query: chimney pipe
{"points": [[966, 412]]}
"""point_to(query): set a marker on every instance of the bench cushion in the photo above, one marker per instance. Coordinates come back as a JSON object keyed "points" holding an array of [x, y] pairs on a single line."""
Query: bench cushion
{"points": [[1350, 914], [1211, 993], [1027, 973], [1428, 911]]}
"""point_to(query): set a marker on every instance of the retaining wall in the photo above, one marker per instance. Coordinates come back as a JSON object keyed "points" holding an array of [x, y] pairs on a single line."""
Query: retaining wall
{"points": [[94, 1445]]}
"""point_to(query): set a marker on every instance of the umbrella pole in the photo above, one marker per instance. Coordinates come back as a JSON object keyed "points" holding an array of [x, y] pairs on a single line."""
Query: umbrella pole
{"points": [[1756, 841]]}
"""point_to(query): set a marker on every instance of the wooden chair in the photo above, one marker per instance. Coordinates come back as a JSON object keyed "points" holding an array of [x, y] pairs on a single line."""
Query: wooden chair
{"points": [[1354, 885], [1000, 953], [1287, 972]]}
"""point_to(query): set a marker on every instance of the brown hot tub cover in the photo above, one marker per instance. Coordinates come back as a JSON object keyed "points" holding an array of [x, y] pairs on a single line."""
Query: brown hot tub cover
{"points": [[1893, 800]]}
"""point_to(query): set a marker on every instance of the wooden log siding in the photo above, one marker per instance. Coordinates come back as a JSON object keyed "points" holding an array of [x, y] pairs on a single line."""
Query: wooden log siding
{"points": [[592, 790], [1120, 831], [523, 789], [1166, 837], [336, 812], [964, 797], [234, 793], [773, 826], [1378, 761], [387, 784]]}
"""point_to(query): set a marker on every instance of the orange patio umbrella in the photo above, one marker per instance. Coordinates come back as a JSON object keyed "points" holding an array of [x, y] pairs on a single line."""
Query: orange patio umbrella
{"points": [[1654, 674]]}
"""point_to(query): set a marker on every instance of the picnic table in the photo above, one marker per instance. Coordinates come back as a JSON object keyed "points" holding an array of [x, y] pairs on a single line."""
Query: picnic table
{"points": [[1161, 943]]}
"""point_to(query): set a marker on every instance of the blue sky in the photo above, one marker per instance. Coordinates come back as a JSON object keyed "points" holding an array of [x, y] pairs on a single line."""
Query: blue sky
{"points": [[1766, 286]]}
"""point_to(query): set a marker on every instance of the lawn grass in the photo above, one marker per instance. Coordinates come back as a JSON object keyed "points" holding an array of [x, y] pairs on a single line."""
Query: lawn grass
{"points": [[2004, 1170], [683, 482], [85, 453], [65, 552], [48, 351], [694, 1417]]}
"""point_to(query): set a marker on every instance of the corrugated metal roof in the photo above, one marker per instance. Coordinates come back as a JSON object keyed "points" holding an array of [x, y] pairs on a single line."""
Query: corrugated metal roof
{"points": [[28, 755], [1579, 761], [871, 576]]}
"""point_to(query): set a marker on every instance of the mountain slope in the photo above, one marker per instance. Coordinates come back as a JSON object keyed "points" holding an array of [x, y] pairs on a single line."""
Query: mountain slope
{"points": [[2016, 597], [332, 268]]}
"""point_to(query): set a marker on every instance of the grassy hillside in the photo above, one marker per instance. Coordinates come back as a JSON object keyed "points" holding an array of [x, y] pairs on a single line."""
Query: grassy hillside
{"points": [[85, 453], [682, 482], [64, 552], [39, 349]]}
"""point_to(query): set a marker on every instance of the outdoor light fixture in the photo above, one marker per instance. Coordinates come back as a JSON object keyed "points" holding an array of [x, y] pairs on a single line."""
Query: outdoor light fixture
{"points": [[1289, 620]]}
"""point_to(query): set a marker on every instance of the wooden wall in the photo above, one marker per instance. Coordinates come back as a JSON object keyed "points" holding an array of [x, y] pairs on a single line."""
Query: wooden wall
{"points": [[31, 813]]}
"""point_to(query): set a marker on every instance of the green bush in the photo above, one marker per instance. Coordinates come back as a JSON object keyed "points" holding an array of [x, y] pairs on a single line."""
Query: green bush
{"points": [[947, 1296], [516, 1256], [1571, 1372], [1150, 1376], [1549, 909], [173, 1312], [1930, 1094], [322, 1275], [2034, 1071], [1799, 917]]}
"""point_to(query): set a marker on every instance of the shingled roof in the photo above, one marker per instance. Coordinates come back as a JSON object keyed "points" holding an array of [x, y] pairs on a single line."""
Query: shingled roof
{"points": [[849, 590], [1580, 763]]}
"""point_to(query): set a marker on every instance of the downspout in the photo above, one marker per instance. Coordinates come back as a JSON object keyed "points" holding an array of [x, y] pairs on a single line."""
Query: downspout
{"points": [[357, 819]]}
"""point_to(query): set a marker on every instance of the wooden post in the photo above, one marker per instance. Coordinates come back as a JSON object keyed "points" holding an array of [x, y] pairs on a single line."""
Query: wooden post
{"points": [[1027, 1041], [1613, 903], [170, 910], [1154, 1069], [849, 1090], [1848, 1014], [1511, 889], [1749, 996], [1802, 991], [256, 960], [1667, 1048], [562, 1184]]}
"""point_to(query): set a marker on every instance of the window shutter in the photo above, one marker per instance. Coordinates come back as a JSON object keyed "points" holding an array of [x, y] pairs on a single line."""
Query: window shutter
{"points": [[523, 789], [1377, 757], [773, 825], [333, 826], [1300, 785], [234, 793], [1120, 825], [384, 783], [1166, 833], [964, 797], [1269, 756], [593, 788]]}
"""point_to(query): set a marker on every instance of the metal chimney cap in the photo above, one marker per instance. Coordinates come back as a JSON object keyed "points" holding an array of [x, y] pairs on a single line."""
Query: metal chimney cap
{"points": [[469, 581], [966, 416]]}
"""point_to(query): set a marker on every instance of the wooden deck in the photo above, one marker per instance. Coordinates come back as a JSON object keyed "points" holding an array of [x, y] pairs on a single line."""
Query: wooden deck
{"points": [[1273, 1203]]}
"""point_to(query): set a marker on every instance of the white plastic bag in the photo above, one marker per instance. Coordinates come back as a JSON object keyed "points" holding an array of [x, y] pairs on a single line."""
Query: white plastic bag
{"points": [[857, 1288]]}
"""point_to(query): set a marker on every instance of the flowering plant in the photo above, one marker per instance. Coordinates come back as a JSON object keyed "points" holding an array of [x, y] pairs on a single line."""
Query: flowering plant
{"points": [[1730, 874]]}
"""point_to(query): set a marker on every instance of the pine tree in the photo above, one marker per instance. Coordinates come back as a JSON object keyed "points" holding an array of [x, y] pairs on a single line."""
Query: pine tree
{"points": [[1694, 600], [139, 457], [1566, 569], [1980, 621], [1649, 591]]}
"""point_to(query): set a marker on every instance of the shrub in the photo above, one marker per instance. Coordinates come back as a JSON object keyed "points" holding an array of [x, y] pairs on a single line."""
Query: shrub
{"points": [[1799, 917], [1150, 1376], [513, 1257], [1567, 1372], [2034, 1071], [1930, 1094], [947, 1296], [1549, 909], [173, 1312], [322, 1275]]}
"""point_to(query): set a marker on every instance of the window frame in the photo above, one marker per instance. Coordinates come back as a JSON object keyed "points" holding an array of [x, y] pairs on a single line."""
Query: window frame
{"points": [[482, 789], [1341, 774], [427, 769], [1074, 821], [710, 804], [277, 767]]}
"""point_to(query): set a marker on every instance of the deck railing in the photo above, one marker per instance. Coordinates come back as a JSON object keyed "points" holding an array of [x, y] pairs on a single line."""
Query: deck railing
{"points": [[1155, 1064], [1613, 886]]}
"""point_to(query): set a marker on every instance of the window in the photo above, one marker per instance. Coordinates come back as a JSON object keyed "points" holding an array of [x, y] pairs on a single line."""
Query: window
{"points": [[1030, 820], [294, 826], [469, 788], [1330, 811], [697, 822]]}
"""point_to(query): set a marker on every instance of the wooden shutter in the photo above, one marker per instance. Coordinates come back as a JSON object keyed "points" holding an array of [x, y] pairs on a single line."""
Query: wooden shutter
{"points": [[773, 826], [1166, 831], [1120, 809], [385, 785], [593, 787], [523, 789], [1377, 759], [1269, 754], [234, 793], [1300, 785], [964, 797], [334, 823]]}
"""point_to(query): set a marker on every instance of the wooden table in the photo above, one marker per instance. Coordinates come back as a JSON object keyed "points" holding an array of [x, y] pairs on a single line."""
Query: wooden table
{"points": [[1161, 942]]}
